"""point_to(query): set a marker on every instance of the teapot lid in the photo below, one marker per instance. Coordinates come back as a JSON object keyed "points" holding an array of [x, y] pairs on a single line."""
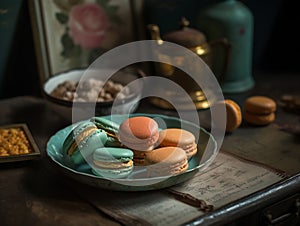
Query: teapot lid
{"points": [[186, 36]]}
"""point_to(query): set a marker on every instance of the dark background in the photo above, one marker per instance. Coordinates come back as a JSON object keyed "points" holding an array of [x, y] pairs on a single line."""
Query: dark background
{"points": [[276, 41]]}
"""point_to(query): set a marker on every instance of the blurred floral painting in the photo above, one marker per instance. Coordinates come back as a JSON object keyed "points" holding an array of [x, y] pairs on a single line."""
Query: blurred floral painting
{"points": [[79, 31]]}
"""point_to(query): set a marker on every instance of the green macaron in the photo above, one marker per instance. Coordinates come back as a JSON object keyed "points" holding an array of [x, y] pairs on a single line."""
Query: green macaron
{"points": [[111, 128], [112, 162], [81, 142]]}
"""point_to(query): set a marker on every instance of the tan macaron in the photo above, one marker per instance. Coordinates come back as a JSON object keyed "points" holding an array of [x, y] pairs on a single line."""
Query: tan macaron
{"points": [[174, 137], [259, 120], [166, 161], [259, 110], [234, 115], [260, 105]]}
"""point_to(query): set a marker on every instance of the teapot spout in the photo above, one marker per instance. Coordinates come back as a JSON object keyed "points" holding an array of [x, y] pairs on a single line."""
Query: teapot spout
{"points": [[155, 33]]}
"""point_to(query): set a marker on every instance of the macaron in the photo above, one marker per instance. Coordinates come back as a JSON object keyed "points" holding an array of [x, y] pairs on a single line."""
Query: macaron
{"points": [[166, 161], [233, 115], [111, 162], [259, 110], [174, 137], [139, 157], [139, 133], [81, 142], [111, 128]]}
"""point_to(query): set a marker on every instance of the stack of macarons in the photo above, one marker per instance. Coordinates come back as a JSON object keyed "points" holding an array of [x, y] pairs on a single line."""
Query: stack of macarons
{"points": [[164, 152], [259, 110], [94, 145], [111, 150]]}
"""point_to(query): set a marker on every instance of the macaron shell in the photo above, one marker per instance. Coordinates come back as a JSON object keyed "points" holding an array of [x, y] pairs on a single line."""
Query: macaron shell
{"points": [[175, 137], [166, 161], [260, 105], [140, 127], [233, 115], [157, 171], [76, 131], [85, 148], [167, 155], [138, 133], [112, 142], [111, 173], [112, 162], [106, 125], [260, 120], [112, 154]]}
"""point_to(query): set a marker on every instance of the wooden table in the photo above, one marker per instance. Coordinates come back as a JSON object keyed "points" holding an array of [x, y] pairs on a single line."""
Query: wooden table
{"points": [[34, 193]]}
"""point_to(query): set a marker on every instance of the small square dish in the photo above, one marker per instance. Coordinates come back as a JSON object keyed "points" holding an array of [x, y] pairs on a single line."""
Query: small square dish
{"points": [[17, 144]]}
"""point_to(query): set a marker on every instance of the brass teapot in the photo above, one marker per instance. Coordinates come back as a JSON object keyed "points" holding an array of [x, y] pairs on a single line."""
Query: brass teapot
{"points": [[195, 41]]}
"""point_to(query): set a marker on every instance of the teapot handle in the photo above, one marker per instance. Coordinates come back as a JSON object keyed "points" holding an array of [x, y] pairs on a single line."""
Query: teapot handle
{"points": [[227, 48]]}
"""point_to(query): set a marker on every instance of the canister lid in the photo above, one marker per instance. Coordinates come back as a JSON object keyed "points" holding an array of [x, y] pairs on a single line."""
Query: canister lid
{"points": [[186, 36]]}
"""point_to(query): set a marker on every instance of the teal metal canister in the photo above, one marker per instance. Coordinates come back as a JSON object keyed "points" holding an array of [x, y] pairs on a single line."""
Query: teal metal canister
{"points": [[232, 20]]}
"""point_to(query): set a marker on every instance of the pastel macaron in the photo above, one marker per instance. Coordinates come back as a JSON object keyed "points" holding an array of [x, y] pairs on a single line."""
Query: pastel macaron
{"points": [[259, 110], [166, 161], [139, 133], [111, 128], [175, 137], [111, 162], [81, 142]]}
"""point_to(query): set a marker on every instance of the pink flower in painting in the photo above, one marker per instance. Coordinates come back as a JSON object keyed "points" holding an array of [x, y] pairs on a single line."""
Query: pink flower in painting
{"points": [[88, 24]]}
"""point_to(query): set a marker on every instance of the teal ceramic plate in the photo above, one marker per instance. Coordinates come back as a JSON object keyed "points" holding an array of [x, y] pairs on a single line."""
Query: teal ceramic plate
{"points": [[207, 150]]}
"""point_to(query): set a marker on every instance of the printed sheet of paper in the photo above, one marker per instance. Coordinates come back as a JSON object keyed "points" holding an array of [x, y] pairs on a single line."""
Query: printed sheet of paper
{"points": [[225, 180], [228, 179], [266, 145]]}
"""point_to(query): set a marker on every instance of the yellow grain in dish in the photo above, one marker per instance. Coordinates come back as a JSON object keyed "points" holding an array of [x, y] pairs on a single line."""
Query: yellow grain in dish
{"points": [[13, 141]]}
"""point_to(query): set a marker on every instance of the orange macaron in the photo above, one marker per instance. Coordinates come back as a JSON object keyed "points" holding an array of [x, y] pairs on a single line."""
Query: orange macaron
{"points": [[233, 112], [234, 115], [139, 134], [174, 137], [259, 110], [166, 161]]}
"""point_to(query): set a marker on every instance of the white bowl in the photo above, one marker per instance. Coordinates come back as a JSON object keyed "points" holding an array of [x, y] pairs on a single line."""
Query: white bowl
{"points": [[65, 109]]}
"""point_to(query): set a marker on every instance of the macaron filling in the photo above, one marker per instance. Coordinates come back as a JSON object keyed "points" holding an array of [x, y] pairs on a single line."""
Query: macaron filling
{"points": [[80, 137]]}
